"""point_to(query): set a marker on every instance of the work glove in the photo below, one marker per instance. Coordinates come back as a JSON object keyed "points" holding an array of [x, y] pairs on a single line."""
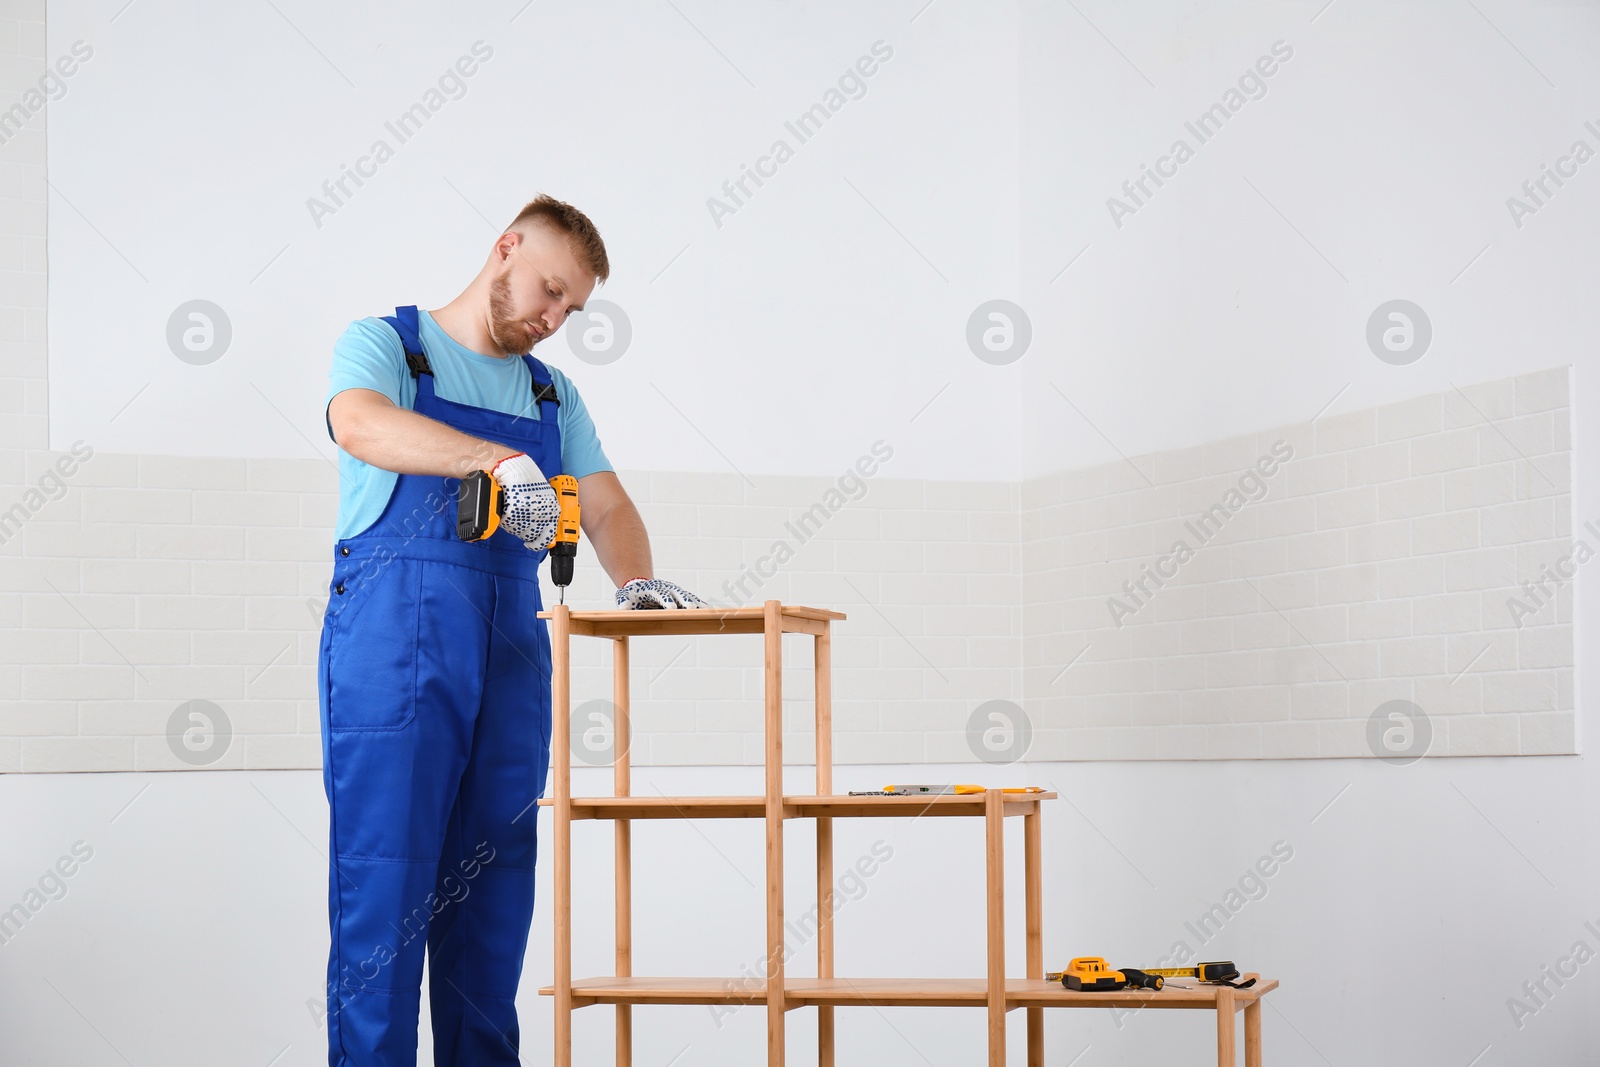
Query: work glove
{"points": [[656, 593], [530, 504]]}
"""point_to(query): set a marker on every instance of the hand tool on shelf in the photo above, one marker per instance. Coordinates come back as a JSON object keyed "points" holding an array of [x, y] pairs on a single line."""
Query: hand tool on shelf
{"points": [[938, 790], [1091, 973], [1222, 973], [1088, 973]]}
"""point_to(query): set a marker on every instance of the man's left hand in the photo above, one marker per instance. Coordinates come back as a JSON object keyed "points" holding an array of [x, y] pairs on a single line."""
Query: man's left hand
{"points": [[656, 593]]}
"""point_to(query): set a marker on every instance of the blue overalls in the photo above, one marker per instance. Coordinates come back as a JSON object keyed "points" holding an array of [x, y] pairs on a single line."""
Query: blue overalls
{"points": [[434, 682]]}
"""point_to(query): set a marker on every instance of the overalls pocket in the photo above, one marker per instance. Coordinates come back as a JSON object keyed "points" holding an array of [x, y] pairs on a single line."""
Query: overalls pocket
{"points": [[372, 652]]}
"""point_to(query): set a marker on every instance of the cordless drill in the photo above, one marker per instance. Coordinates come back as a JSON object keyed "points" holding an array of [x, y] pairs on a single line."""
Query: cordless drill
{"points": [[481, 502]]}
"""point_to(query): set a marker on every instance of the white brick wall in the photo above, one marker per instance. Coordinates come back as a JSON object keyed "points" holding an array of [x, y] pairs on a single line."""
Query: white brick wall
{"points": [[1358, 577], [123, 601], [1377, 565], [929, 576]]}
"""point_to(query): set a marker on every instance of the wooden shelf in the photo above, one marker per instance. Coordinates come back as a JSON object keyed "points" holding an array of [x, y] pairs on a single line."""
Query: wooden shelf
{"points": [[795, 618], [797, 806], [997, 992], [895, 992]]}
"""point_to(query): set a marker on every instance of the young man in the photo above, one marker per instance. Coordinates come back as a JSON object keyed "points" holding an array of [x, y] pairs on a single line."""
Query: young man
{"points": [[434, 671]]}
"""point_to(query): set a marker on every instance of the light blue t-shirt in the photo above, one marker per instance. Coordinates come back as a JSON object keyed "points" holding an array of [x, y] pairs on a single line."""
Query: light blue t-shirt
{"points": [[369, 355]]}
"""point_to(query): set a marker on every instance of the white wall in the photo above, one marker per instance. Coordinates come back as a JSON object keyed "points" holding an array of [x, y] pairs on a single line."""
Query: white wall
{"points": [[197, 931], [1377, 165], [846, 276]]}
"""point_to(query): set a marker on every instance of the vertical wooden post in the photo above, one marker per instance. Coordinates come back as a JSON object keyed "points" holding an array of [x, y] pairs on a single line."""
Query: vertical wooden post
{"points": [[994, 839], [1226, 1055], [561, 759], [1252, 1033], [772, 618], [824, 748], [1033, 887], [621, 778]]}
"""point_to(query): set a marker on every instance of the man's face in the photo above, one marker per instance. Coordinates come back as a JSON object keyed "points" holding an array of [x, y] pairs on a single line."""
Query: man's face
{"points": [[539, 285]]}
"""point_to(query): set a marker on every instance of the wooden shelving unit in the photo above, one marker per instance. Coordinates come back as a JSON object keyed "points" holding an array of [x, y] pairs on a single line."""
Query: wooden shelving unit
{"points": [[993, 992]]}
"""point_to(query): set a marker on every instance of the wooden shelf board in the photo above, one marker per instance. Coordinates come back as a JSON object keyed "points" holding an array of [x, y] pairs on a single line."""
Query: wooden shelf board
{"points": [[891, 992], [796, 618], [659, 807], [887, 992], [795, 806], [663, 991], [840, 805], [1037, 993]]}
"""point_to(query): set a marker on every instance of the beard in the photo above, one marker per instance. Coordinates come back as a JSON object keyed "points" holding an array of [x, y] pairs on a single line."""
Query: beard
{"points": [[510, 334]]}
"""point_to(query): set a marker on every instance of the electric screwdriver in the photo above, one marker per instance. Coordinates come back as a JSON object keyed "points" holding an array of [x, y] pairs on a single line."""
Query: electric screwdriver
{"points": [[481, 502]]}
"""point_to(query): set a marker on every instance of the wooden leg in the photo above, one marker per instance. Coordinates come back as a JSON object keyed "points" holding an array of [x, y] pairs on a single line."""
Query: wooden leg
{"points": [[624, 1012], [1226, 1056], [1033, 886], [824, 749], [994, 834], [561, 758], [1252, 1033], [774, 812], [622, 784], [824, 936]]}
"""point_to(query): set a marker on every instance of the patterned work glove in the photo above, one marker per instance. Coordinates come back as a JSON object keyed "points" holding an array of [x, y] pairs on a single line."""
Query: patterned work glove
{"points": [[656, 593], [530, 506]]}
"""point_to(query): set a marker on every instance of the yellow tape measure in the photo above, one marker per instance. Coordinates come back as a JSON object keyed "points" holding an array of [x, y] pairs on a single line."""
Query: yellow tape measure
{"points": [[1206, 972]]}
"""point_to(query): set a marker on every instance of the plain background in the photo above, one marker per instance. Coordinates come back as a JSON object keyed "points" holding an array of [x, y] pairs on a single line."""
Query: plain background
{"points": [[831, 305]]}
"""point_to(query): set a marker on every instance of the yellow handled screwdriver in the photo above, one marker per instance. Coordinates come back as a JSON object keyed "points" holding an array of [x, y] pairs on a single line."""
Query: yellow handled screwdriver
{"points": [[959, 790]]}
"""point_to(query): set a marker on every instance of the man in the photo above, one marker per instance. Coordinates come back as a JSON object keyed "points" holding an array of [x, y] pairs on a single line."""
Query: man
{"points": [[434, 672]]}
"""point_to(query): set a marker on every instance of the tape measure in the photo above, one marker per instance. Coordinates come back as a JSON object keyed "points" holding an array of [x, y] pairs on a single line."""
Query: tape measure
{"points": [[1222, 973], [938, 790]]}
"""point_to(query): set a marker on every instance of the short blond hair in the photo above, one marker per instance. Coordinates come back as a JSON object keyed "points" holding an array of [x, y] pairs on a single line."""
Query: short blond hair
{"points": [[585, 238]]}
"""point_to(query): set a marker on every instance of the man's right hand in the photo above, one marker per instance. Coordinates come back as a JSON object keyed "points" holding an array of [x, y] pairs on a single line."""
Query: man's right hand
{"points": [[530, 510]]}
